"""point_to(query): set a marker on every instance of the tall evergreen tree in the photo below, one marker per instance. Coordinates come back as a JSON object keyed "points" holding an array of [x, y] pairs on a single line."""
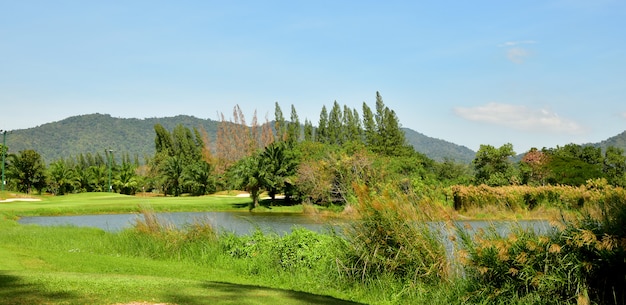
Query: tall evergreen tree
{"points": [[163, 139], [293, 128], [335, 125], [308, 130], [279, 123], [322, 126], [369, 126]]}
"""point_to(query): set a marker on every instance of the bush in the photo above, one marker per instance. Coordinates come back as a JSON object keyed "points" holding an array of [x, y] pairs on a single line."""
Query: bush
{"points": [[583, 260]]}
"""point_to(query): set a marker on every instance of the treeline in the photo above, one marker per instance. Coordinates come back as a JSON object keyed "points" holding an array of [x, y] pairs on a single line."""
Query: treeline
{"points": [[302, 162], [571, 164], [305, 163]]}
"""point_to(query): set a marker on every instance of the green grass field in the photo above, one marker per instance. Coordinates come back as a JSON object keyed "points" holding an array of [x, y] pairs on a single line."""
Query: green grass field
{"points": [[68, 265], [102, 203]]}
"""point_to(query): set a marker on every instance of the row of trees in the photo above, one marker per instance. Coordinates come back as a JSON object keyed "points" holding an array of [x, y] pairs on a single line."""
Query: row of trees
{"points": [[304, 163], [571, 164]]}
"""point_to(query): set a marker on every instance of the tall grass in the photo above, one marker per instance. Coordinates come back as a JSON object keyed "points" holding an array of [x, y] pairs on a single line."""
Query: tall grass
{"points": [[392, 238], [582, 261], [522, 197]]}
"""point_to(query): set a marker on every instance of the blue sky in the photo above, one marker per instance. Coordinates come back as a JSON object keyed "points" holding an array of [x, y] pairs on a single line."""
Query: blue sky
{"points": [[532, 73]]}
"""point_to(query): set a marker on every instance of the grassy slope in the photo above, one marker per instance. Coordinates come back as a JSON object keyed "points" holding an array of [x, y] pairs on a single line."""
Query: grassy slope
{"points": [[65, 265]]}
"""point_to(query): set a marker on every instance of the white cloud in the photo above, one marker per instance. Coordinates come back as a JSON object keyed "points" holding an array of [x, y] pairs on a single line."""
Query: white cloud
{"points": [[519, 118], [624, 115], [516, 43]]}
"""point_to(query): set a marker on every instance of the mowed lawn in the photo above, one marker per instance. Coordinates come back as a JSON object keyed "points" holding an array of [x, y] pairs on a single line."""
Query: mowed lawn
{"points": [[68, 265]]}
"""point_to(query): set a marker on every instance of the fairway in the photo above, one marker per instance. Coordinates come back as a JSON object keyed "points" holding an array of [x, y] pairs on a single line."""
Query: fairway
{"points": [[105, 203], [68, 265]]}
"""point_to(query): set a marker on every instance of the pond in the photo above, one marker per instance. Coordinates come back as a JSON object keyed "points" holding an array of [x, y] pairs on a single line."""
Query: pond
{"points": [[236, 222], [242, 223]]}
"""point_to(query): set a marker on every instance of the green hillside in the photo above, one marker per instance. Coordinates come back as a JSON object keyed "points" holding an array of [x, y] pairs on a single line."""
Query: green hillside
{"points": [[618, 141], [93, 133], [438, 149]]}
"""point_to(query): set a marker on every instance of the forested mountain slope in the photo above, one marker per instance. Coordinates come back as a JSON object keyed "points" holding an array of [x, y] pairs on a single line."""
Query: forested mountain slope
{"points": [[93, 133], [618, 141]]}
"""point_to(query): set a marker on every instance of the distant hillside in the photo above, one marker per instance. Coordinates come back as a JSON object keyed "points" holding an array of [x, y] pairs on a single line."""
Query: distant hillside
{"points": [[437, 149], [618, 141], [93, 133]]}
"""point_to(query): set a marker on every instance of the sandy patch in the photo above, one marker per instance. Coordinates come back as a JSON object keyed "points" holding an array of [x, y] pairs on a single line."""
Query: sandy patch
{"points": [[20, 199]]}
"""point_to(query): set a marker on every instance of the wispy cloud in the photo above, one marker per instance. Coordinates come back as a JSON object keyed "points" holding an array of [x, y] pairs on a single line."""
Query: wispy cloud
{"points": [[520, 118], [516, 43], [515, 53], [624, 115]]}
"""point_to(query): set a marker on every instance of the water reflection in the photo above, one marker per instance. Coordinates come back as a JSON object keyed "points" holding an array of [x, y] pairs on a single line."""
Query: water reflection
{"points": [[237, 222]]}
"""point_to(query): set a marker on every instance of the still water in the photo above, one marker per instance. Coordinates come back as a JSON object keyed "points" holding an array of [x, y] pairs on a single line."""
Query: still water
{"points": [[237, 222], [242, 223]]}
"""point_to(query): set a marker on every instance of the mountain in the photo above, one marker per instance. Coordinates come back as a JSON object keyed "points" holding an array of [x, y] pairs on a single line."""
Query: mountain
{"points": [[94, 133], [618, 141], [438, 149]]}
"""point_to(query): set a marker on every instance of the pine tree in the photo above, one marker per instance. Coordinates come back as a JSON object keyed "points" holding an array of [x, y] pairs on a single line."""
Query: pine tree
{"points": [[293, 128], [335, 125], [279, 123], [369, 126], [308, 130], [322, 127]]}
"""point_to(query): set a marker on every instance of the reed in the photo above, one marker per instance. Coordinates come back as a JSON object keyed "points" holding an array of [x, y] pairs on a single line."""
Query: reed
{"points": [[391, 236]]}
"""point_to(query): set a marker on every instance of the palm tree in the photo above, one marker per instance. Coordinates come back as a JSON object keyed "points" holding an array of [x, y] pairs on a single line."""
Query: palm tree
{"points": [[98, 175], [126, 179], [63, 178], [279, 165], [248, 174], [172, 170], [28, 169], [198, 178]]}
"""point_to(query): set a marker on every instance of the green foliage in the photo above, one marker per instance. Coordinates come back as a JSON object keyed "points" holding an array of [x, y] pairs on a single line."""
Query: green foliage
{"points": [[392, 237], [493, 166], [63, 178], [582, 261], [27, 171]]}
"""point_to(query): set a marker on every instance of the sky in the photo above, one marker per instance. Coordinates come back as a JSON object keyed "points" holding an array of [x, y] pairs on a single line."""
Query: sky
{"points": [[531, 73]]}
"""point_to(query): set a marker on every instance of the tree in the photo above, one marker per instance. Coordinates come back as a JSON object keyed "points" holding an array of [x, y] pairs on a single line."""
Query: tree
{"points": [[248, 174], [369, 126], [308, 130], [534, 167], [279, 123], [63, 178], [163, 139], [199, 179], [126, 180], [573, 164], [28, 170], [293, 128], [172, 171], [335, 125], [614, 166], [388, 138], [279, 165], [322, 127], [493, 165]]}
